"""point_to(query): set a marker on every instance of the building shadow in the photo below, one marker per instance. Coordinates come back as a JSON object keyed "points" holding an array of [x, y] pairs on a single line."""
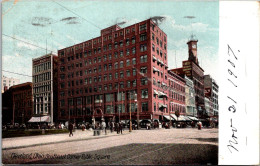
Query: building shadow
{"points": [[141, 154]]}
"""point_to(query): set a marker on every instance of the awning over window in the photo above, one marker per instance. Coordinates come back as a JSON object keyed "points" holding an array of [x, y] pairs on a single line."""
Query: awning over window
{"points": [[154, 58], [168, 117], [40, 119], [161, 106], [155, 70], [174, 116], [163, 84], [155, 92], [161, 94], [180, 118]]}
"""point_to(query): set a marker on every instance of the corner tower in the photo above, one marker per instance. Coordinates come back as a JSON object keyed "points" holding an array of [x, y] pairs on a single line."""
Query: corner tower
{"points": [[192, 47]]}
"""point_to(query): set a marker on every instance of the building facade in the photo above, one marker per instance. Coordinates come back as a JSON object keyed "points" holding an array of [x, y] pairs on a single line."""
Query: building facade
{"points": [[45, 88], [22, 102], [124, 70], [211, 91], [190, 97], [176, 93], [8, 82], [191, 69], [208, 107]]}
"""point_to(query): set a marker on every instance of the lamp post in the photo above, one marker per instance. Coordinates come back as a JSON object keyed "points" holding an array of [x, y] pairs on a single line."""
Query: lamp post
{"points": [[130, 122], [137, 110]]}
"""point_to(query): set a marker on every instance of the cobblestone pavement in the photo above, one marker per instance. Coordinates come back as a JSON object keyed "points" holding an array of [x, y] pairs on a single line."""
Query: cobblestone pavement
{"points": [[165, 146]]}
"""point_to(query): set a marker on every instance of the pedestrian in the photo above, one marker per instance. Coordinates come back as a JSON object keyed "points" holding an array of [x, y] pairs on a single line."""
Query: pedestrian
{"points": [[70, 129], [121, 127], [111, 127], [104, 126], [117, 128]]}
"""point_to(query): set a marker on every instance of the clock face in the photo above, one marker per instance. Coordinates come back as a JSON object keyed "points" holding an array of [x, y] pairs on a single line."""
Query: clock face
{"points": [[193, 45]]}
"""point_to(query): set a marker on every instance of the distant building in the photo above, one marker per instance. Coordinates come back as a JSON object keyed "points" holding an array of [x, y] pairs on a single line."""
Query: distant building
{"points": [[7, 106], [8, 82], [191, 69], [211, 91], [208, 106], [22, 102], [191, 109], [45, 88]]}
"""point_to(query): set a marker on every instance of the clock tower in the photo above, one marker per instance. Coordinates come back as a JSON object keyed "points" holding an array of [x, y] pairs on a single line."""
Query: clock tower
{"points": [[192, 46]]}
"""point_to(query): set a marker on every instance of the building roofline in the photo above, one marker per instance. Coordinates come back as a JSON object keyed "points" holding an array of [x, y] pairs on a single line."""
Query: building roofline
{"points": [[43, 56]]}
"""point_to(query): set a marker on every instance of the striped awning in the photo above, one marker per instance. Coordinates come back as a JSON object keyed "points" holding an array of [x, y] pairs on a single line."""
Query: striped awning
{"points": [[155, 92], [161, 94], [40, 119]]}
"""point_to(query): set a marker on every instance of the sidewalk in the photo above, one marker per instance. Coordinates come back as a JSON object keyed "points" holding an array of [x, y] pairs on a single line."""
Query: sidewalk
{"points": [[20, 142]]}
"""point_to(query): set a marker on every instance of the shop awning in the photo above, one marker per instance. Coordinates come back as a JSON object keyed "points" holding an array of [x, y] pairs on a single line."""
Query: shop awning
{"points": [[181, 118], [39, 119], [193, 118], [168, 117], [174, 116], [186, 118]]}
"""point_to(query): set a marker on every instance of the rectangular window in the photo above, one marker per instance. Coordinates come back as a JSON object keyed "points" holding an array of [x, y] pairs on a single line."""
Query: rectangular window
{"points": [[142, 27], [144, 81], [144, 106], [134, 72], [143, 58], [88, 100], [144, 93], [109, 109], [128, 73], [143, 37], [143, 47], [109, 97]]}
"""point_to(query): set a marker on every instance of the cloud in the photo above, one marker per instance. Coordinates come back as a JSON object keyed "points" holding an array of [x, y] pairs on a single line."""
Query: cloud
{"points": [[170, 23]]}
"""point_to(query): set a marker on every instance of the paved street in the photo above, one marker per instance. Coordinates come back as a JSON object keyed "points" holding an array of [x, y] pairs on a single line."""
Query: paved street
{"points": [[163, 146]]}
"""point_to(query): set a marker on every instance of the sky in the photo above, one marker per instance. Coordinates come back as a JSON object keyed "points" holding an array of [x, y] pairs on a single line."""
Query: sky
{"points": [[30, 26]]}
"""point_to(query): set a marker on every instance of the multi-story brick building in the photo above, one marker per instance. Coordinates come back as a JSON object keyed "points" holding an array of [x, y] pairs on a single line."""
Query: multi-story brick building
{"points": [[45, 88], [211, 91], [22, 102], [124, 69], [176, 94], [192, 69], [8, 82]]}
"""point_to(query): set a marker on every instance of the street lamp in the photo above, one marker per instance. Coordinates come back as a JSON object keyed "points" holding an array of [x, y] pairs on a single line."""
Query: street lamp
{"points": [[137, 110], [130, 122]]}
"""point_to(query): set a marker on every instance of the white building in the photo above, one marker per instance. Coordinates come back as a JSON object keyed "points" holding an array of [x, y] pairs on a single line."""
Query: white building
{"points": [[190, 98], [44, 92], [8, 82]]}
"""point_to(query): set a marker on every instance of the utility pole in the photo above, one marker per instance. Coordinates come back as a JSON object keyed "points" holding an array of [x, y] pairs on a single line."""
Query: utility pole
{"points": [[137, 110]]}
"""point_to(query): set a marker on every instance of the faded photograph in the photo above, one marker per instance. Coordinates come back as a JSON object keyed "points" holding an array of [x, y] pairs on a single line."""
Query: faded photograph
{"points": [[110, 82]]}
